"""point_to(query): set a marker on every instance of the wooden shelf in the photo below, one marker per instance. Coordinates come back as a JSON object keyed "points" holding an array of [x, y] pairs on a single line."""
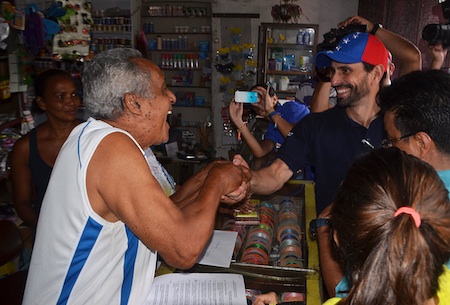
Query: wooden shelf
{"points": [[11, 123], [178, 33], [182, 17], [290, 45], [188, 87], [288, 72]]}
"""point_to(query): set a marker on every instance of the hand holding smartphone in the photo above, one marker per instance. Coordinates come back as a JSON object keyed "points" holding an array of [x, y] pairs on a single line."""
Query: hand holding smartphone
{"points": [[245, 97]]}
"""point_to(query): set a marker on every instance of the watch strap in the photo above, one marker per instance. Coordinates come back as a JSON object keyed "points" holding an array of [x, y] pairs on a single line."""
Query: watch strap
{"points": [[375, 28], [272, 114], [322, 222], [317, 223]]}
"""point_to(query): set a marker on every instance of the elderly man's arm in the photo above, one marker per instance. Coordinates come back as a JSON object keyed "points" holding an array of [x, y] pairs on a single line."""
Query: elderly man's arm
{"points": [[121, 187], [187, 193]]}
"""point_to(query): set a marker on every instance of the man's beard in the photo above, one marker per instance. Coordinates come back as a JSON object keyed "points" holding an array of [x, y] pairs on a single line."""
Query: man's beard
{"points": [[356, 94]]}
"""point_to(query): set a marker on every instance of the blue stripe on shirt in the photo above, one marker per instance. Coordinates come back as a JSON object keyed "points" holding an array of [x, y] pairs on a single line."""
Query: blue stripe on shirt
{"points": [[128, 268], [88, 238]]}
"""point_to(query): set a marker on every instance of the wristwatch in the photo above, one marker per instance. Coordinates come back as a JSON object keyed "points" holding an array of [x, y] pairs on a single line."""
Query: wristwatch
{"points": [[317, 223], [375, 28]]}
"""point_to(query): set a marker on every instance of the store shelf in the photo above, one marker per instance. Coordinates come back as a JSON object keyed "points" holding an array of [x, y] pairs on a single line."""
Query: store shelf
{"points": [[272, 72], [183, 41], [289, 46], [284, 53], [12, 123], [193, 106]]}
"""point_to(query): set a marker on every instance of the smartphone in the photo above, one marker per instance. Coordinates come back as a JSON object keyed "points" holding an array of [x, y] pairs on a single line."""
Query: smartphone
{"points": [[245, 97], [270, 88]]}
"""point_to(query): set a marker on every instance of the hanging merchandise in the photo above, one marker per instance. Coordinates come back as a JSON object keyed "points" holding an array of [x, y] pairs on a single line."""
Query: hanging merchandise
{"points": [[224, 84], [235, 35], [74, 38], [236, 53], [240, 71], [4, 33], [223, 62], [34, 32]]}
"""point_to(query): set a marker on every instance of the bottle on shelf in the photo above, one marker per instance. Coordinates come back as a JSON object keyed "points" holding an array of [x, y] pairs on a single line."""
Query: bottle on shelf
{"points": [[159, 44], [300, 37], [196, 65]]}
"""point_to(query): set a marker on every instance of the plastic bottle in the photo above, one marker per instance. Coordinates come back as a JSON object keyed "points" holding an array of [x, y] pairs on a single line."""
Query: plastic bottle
{"points": [[179, 62], [170, 61], [300, 37], [184, 43], [306, 38], [163, 61], [196, 64], [311, 36], [183, 61], [158, 42]]}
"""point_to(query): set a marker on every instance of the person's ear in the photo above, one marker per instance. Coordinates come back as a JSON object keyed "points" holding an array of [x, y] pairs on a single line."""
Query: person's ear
{"points": [[378, 72], [391, 69], [131, 102], [40, 102], [424, 143], [335, 238]]}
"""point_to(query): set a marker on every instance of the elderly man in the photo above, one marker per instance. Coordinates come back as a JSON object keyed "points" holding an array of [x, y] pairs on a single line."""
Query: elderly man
{"points": [[105, 217]]}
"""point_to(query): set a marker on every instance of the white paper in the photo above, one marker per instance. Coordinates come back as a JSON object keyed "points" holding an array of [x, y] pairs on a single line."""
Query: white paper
{"points": [[172, 149], [198, 288], [219, 250]]}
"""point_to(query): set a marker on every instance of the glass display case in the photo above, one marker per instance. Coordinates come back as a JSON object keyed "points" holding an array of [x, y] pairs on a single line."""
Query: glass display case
{"points": [[285, 55]]}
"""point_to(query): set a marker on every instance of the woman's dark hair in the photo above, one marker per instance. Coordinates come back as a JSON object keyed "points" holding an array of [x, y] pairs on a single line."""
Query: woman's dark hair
{"points": [[41, 83], [388, 259]]}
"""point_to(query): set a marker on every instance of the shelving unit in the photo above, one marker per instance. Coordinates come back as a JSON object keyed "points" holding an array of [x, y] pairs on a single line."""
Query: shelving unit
{"points": [[110, 32], [179, 40], [285, 55], [115, 24]]}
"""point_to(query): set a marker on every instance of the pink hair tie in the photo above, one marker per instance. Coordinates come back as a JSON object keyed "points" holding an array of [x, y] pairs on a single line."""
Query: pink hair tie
{"points": [[410, 211]]}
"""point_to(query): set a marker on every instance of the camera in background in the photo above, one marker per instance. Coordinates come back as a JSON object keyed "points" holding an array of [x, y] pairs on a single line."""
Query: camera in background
{"points": [[332, 38], [434, 33]]}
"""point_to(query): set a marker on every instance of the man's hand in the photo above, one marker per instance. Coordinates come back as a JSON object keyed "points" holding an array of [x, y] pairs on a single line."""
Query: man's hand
{"points": [[246, 206], [241, 192], [267, 298], [438, 52], [357, 20]]}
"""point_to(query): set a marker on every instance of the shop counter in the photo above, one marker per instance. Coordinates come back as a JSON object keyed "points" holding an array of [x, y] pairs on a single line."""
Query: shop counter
{"points": [[284, 271]]}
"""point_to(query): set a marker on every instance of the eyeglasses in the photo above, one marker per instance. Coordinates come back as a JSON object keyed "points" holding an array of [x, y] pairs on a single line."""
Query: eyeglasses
{"points": [[390, 143]]}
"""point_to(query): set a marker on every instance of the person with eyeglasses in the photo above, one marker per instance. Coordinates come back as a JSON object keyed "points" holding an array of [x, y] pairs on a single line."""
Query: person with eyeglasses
{"points": [[417, 117], [391, 142]]}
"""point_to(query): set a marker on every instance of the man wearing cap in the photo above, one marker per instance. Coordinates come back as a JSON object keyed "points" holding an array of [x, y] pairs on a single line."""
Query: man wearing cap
{"points": [[331, 140], [407, 56]]}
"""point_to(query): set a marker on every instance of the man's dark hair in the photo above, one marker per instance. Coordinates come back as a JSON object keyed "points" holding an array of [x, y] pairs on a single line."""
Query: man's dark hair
{"points": [[420, 101]]}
